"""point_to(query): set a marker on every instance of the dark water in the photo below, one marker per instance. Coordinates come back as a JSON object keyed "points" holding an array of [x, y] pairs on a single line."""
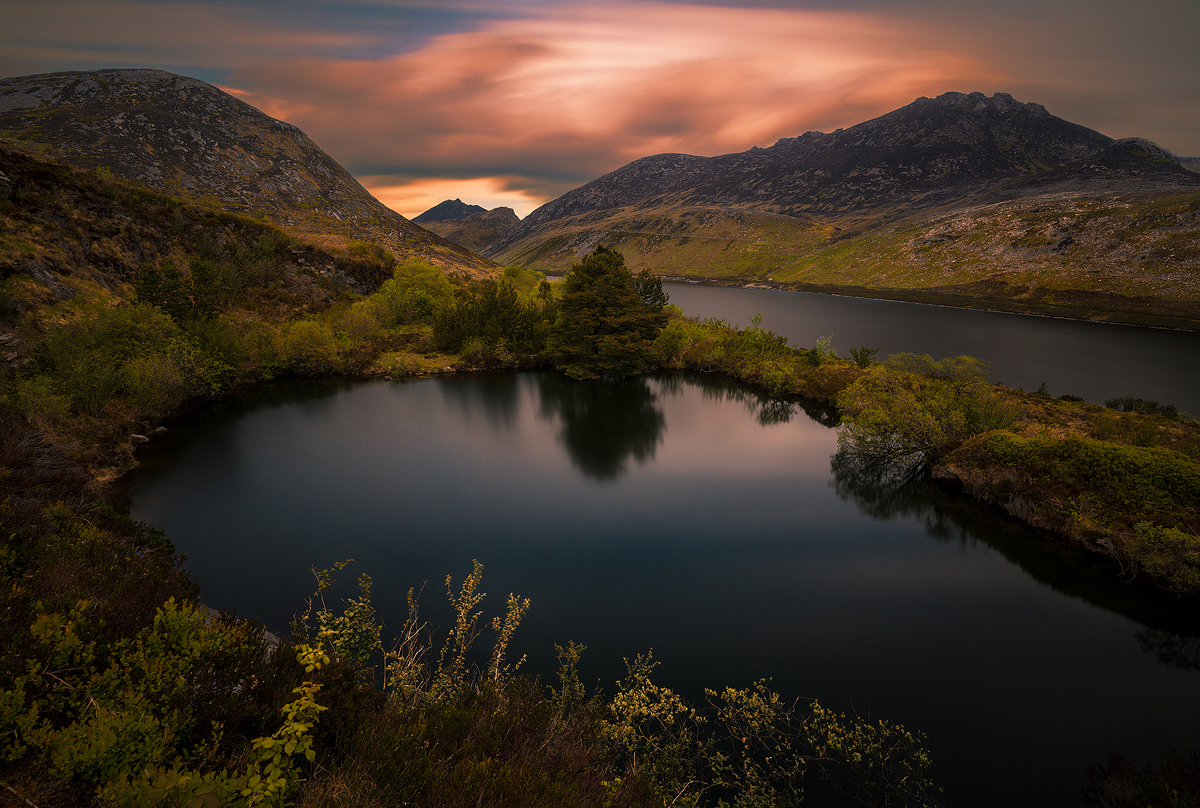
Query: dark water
{"points": [[1094, 360], [683, 515]]}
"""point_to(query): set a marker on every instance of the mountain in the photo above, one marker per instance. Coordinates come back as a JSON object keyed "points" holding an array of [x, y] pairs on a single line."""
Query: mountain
{"points": [[479, 230], [448, 211], [963, 199], [189, 139]]}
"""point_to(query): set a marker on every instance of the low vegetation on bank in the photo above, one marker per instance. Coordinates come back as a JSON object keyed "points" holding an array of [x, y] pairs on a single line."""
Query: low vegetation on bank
{"points": [[118, 307]]}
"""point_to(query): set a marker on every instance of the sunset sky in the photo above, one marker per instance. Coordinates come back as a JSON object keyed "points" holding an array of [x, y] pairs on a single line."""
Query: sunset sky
{"points": [[514, 103]]}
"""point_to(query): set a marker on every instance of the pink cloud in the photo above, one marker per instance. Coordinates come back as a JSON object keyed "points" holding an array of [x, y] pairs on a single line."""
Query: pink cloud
{"points": [[577, 92]]}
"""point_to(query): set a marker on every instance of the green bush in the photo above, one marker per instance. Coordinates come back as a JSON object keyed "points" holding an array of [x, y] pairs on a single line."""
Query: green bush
{"points": [[311, 348], [953, 368], [491, 319], [136, 352], [417, 292], [1140, 480], [906, 417], [1167, 553]]}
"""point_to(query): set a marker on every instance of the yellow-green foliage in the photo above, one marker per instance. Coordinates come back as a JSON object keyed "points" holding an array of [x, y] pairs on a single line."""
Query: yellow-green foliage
{"points": [[900, 415], [1141, 480], [311, 348], [361, 321], [1167, 553], [416, 292], [866, 759], [1145, 499], [97, 715], [754, 355], [136, 352]]}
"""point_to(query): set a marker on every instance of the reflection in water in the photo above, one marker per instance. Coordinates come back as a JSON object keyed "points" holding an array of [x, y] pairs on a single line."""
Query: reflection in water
{"points": [[497, 394], [884, 491], [1172, 650], [604, 423], [767, 411]]}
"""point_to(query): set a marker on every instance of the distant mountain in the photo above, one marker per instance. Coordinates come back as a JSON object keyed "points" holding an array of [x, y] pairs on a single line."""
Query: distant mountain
{"points": [[449, 210], [969, 199], [479, 230], [189, 139]]}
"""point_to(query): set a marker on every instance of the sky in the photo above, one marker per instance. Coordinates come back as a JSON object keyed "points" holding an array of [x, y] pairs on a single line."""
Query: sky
{"points": [[514, 103]]}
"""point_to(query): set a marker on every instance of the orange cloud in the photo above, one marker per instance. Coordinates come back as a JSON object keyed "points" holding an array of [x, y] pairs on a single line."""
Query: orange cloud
{"points": [[414, 197], [562, 98]]}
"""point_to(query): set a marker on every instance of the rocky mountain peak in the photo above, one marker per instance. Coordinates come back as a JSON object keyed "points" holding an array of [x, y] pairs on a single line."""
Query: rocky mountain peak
{"points": [[448, 211], [978, 102], [476, 231]]}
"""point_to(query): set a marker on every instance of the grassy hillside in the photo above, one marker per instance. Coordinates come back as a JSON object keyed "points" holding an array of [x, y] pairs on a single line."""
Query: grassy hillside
{"points": [[1133, 259], [188, 139]]}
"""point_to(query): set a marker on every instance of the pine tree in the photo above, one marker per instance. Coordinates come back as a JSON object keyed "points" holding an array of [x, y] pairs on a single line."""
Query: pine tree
{"points": [[604, 326]]}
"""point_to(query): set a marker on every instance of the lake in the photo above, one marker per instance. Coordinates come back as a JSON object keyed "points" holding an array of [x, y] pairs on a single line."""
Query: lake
{"points": [[683, 514], [1097, 361]]}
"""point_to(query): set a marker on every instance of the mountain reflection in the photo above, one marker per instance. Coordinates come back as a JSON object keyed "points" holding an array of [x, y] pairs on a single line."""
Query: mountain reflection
{"points": [[604, 423], [883, 491]]}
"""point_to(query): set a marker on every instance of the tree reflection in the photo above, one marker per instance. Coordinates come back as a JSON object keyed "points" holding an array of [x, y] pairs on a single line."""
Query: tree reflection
{"points": [[604, 422], [885, 491], [496, 394], [767, 411], [1172, 650]]}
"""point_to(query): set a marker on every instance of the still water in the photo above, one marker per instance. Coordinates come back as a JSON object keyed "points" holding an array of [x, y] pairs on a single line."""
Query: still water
{"points": [[1097, 361], [682, 514]]}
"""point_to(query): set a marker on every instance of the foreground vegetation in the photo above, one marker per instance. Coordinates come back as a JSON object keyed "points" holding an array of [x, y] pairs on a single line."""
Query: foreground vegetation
{"points": [[115, 687]]}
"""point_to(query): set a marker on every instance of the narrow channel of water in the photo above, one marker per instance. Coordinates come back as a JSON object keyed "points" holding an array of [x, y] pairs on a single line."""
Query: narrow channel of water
{"points": [[1097, 361], [684, 515]]}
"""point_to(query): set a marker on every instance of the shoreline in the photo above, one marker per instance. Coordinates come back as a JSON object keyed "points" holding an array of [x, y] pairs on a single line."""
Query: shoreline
{"points": [[906, 296]]}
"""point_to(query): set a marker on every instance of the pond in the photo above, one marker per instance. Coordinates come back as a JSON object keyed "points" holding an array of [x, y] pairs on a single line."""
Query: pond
{"points": [[682, 514]]}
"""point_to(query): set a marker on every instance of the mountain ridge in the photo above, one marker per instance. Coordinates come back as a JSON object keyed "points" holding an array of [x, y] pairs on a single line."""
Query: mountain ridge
{"points": [[862, 207]]}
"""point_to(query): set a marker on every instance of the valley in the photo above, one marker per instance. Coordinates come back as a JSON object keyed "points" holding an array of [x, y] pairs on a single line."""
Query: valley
{"points": [[157, 269]]}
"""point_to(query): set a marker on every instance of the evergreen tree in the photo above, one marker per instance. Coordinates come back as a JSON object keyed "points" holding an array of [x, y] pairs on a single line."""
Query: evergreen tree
{"points": [[605, 327]]}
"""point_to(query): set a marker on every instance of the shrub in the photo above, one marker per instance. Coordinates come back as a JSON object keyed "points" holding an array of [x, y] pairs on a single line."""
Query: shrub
{"points": [[863, 356], [417, 292], [311, 348], [136, 351], [1167, 553], [913, 419], [954, 368]]}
